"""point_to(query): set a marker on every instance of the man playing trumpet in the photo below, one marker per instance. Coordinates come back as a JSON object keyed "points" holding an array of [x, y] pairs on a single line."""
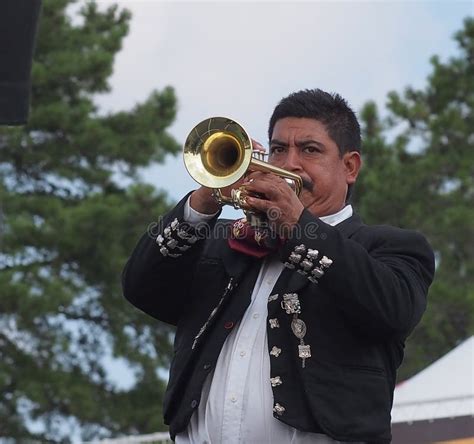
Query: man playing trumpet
{"points": [[296, 336]]}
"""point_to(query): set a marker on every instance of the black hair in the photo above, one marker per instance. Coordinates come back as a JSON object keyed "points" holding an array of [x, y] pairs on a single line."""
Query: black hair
{"points": [[331, 110]]}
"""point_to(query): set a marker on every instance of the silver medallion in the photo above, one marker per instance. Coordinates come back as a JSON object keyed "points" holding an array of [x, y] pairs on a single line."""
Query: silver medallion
{"points": [[298, 327]]}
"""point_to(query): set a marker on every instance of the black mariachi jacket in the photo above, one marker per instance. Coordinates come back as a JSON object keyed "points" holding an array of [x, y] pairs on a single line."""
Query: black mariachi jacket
{"points": [[357, 315]]}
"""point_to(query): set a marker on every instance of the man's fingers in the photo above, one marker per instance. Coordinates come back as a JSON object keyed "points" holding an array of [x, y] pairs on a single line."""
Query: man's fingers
{"points": [[257, 204], [264, 183]]}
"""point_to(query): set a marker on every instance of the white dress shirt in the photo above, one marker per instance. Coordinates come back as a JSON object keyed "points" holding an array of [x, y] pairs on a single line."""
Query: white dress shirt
{"points": [[237, 401]]}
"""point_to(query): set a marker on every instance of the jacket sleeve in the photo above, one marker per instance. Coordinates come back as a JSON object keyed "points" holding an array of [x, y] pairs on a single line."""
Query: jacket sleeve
{"points": [[157, 277], [380, 284]]}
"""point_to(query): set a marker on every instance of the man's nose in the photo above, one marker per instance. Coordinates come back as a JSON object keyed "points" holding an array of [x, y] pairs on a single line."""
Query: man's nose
{"points": [[292, 160]]}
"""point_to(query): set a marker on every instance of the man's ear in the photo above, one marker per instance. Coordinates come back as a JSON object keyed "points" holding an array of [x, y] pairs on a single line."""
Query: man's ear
{"points": [[352, 163]]}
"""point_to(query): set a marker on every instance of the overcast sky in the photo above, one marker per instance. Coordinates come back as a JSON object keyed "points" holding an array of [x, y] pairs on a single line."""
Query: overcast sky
{"points": [[238, 59]]}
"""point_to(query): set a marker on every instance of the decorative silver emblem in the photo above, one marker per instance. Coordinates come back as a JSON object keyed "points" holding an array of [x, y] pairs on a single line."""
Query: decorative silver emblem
{"points": [[298, 327], [304, 352], [312, 254], [275, 351], [279, 409], [167, 242], [172, 243], [300, 249], [295, 258], [274, 323], [183, 235], [291, 303], [306, 264], [174, 224], [317, 272], [325, 262], [288, 265], [276, 381]]}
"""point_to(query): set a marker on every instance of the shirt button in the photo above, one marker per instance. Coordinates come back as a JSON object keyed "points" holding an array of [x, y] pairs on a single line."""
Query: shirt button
{"points": [[194, 403], [242, 353], [228, 325], [233, 399], [207, 366], [256, 316]]}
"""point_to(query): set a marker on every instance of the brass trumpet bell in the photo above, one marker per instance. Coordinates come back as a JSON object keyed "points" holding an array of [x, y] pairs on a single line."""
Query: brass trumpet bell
{"points": [[217, 152]]}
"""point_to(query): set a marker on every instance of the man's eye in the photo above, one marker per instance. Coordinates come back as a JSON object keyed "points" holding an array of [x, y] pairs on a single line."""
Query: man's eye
{"points": [[311, 149], [276, 150]]}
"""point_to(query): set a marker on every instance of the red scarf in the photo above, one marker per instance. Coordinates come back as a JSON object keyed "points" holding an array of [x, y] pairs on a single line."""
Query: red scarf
{"points": [[253, 243]]}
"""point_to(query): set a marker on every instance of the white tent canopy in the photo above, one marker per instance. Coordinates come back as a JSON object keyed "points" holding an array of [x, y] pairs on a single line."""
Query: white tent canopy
{"points": [[445, 389]]}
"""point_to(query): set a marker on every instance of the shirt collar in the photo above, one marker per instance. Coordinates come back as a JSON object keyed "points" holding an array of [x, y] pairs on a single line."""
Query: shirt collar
{"points": [[337, 218]]}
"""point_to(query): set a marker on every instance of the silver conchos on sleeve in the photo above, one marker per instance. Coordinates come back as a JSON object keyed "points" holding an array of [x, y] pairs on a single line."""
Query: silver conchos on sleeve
{"points": [[175, 240]]}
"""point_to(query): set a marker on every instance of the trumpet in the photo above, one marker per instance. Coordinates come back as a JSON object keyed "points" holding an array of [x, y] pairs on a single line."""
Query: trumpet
{"points": [[218, 152]]}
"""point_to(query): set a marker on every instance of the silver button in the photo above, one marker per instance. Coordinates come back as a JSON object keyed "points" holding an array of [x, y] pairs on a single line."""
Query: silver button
{"points": [[233, 399], [274, 323], [242, 353], [276, 381], [275, 351], [279, 409]]}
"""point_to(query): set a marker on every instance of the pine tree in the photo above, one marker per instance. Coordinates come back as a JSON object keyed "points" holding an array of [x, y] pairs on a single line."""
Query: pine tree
{"points": [[420, 174], [68, 222]]}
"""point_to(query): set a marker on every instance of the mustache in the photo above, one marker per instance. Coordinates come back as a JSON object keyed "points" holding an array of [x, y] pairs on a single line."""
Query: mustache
{"points": [[307, 184]]}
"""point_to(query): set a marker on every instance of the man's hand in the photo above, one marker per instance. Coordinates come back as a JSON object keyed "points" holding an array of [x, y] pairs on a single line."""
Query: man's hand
{"points": [[272, 195], [202, 201]]}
